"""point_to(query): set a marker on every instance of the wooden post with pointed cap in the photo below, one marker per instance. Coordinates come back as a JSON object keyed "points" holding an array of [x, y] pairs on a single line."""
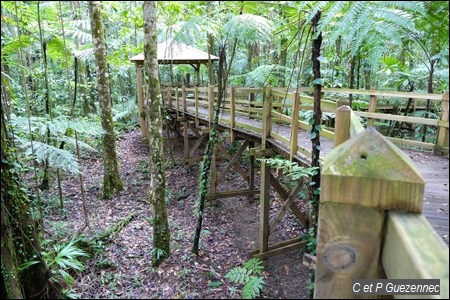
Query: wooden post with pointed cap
{"points": [[360, 180]]}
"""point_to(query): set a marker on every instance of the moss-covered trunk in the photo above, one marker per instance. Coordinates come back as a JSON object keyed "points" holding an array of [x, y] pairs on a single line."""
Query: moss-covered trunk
{"points": [[157, 189], [111, 178], [19, 234]]}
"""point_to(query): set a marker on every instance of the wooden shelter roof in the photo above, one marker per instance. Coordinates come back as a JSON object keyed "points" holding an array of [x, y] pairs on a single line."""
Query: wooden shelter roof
{"points": [[172, 52]]}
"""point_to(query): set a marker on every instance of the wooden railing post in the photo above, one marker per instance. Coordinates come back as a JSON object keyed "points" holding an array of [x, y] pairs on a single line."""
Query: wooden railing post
{"points": [[360, 179], [372, 107], [267, 116], [442, 140], [232, 112], [294, 130], [211, 102], [177, 101], [265, 174], [183, 98], [196, 106], [342, 126]]}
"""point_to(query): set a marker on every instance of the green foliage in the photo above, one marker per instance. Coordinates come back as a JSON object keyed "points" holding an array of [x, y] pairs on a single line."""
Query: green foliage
{"points": [[61, 130], [250, 274], [61, 261], [290, 169], [247, 28], [157, 254]]}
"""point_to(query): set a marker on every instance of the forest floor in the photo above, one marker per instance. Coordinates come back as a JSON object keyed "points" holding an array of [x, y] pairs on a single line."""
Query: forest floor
{"points": [[122, 269]]}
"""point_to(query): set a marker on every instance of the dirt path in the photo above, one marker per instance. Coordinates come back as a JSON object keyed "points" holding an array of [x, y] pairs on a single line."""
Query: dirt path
{"points": [[123, 269]]}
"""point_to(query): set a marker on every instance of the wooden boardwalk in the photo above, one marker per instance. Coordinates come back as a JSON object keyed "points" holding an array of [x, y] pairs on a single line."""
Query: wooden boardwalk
{"points": [[433, 168]]}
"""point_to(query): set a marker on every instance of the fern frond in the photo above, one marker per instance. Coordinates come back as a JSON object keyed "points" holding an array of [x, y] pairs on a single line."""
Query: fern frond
{"points": [[238, 275], [335, 11], [57, 158], [253, 287], [249, 29], [73, 142], [254, 265]]}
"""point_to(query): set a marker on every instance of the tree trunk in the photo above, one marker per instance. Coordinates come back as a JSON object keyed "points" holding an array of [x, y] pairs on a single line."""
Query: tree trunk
{"points": [[315, 130], [111, 178], [19, 234], [157, 188]]}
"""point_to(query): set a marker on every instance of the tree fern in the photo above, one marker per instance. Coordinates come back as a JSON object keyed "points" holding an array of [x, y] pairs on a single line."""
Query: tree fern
{"points": [[57, 158], [248, 28]]}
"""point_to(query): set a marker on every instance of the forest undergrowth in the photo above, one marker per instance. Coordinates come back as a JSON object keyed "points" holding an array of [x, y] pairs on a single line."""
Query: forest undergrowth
{"points": [[121, 266]]}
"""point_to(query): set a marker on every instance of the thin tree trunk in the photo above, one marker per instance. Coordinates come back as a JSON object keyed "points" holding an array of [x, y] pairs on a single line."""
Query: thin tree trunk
{"points": [[315, 130], [157, 188], [45, 185], [206, 164], [111, 178]]}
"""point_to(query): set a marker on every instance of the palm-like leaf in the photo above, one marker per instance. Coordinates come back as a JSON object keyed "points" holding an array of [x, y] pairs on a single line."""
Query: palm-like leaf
{"points": [[249, 29]]}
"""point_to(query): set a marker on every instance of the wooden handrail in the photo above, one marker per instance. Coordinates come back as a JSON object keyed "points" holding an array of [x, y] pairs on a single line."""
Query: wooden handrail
{"points": [[283, 100]]}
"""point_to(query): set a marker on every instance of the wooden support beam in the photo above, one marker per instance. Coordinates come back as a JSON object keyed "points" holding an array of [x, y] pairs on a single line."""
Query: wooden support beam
{"points": [[279, 248], [287, 203], [197, 144], [251, 172], [228, 156], [259, 152], [233, 161], [235, 193], [185, 141]]}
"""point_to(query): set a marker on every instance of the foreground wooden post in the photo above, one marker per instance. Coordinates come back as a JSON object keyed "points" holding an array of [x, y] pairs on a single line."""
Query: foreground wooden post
{"points": [[360, 179]]}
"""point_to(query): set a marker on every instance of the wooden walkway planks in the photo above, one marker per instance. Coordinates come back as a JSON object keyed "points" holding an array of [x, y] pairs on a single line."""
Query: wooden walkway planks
{"points": [[433, 168]]}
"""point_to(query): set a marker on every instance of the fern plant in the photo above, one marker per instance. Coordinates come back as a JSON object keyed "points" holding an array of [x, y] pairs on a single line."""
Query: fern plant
{"points": [[250, 274], [61, 130]]}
